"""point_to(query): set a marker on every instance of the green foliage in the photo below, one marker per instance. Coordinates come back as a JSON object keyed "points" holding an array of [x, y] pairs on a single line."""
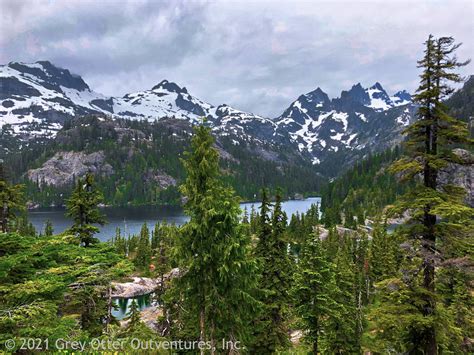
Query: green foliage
{"points": [[342, 331], [271, 327], [82, 207], [218, 271], [134, 319], [48, 228], [143, 256], [384, 251], [363, 190], [439, 225], [11, 200], [314, 291], [50, 287]]}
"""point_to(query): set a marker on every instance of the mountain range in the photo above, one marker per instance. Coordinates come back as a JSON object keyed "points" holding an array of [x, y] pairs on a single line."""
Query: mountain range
{"points": [[37, 98]]}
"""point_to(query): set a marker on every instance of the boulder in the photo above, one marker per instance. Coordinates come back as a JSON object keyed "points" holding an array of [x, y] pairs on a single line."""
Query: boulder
{"points": [[139, 286]]}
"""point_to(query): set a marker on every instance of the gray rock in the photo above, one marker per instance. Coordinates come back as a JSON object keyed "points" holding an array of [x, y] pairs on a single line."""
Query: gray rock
{"points": [[159, 177], [64, 167], [460, 174], [139, 286]]}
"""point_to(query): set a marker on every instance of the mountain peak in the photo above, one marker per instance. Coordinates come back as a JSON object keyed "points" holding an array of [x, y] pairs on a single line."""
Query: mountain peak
{"points": [[317, 96], [51, 75], [377, 86], [401, 97], [169, 86], [356, 94]]}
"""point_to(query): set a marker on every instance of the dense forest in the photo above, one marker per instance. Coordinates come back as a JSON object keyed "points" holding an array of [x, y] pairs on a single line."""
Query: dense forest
{"points": [[141, 154], [259, 282]]}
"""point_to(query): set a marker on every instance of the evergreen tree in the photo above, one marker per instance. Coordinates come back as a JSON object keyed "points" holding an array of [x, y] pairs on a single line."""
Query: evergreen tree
{"points": [[48, 228], [253, 220], [11, 200], [143, 256], [314, 291], [383, 249], [216, 287], [342, 333], [438, 215], [133, 318], [271, 331], [82, 208]]}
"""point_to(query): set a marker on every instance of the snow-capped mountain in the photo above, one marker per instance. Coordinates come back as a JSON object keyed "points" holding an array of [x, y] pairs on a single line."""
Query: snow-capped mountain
{"points": [[37, 98], [165, 99], [359, 119]]}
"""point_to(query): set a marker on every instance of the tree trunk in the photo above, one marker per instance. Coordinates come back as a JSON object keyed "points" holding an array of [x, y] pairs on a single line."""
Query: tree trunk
{"points": [[202, 324], [213, 341], [109, 307], [315, 347], [429, 221]]}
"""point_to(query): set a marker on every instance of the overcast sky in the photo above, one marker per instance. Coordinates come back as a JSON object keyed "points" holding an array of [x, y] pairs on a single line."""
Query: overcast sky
{"points": [[257, 56]]}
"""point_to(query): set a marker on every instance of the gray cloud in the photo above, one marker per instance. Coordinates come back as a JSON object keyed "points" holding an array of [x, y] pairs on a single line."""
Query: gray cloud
{"points": [[256, 56]]}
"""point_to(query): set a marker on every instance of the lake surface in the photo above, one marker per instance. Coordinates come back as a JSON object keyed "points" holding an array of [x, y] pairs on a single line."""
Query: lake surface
{"points": [[122, 306], [131, 219]]}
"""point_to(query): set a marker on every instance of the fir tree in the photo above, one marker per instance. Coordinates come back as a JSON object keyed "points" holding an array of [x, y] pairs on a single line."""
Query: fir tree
{"points": [[48, 228], [143, 256], [271, 328], [438, 215], [133, 318], [342, 333], [314, 291], [11, 200], [82, 208], [219, 275], [383, 249]]}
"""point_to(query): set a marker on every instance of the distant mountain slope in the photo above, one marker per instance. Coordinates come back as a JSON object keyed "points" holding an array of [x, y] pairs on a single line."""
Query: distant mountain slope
{"points": [[359, 121], [37, 98], [461, 103], [138, 162]]}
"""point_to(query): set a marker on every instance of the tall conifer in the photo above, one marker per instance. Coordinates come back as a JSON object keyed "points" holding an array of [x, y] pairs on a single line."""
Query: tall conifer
{"points": [[82, 207], [218, 271], [438, 216]]}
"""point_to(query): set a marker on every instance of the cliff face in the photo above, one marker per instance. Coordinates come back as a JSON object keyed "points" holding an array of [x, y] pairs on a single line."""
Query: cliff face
{"points": [[64, 167], [461, 174]]}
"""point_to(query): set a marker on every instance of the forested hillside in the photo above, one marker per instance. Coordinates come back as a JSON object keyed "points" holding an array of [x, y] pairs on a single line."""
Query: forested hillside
{"points": [[368, 187], [362, 191], [138, 162]]}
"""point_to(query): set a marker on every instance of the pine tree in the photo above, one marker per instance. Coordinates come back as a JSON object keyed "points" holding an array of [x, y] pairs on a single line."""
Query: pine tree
{"points": [[314, 291], [143, 256], [342, 334], [219, 278], [11, 200], [155, 238], [271, 331], [133, 318], [383, 249], [48, 228], [438, 215], [82, 208]]}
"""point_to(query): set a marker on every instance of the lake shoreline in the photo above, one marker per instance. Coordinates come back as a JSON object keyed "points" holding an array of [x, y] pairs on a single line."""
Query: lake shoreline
{"points": [[130, 219]]}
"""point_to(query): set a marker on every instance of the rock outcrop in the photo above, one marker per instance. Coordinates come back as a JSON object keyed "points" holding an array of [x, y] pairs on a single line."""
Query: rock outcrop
{"points": [[140, 285], [64, 167], [159, 177], [460, 174]]}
